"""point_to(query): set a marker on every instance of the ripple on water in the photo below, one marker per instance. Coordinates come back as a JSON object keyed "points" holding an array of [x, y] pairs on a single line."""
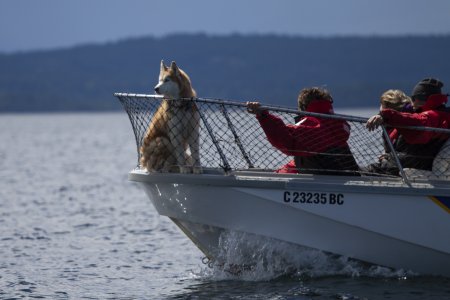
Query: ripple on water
{"points": [[73, 227]]}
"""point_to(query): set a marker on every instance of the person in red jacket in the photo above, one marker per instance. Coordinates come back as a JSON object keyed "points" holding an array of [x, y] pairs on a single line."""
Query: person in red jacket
{"points": [[416, 149], [318, 144]]}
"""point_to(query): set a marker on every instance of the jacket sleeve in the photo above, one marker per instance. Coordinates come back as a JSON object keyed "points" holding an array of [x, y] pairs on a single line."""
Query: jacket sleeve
{"points": [[427, 118], [289, 139]]}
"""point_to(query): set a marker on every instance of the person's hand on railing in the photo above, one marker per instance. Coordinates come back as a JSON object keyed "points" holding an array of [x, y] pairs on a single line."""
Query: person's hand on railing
{"points": [[254, 107], [374, 122]]}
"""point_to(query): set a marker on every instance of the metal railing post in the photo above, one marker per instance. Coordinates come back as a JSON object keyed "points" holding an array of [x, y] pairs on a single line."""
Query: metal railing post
{"points": [[226, 165], [394, 153], [237, 140]]}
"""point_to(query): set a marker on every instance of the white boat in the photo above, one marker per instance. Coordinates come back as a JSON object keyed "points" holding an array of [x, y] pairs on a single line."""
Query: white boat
{"points": [[398, 222]]}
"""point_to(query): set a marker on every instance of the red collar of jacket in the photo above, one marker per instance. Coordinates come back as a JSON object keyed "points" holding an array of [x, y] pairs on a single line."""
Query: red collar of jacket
{"points": [[433, 102], [320, 106]]}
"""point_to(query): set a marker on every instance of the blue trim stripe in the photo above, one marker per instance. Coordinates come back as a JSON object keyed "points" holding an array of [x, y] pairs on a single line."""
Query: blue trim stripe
{"points": [[443, 202]]}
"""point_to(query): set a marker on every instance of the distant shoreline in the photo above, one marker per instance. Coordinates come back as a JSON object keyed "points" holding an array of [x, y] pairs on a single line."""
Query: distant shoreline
{"points": [[270, 68]]}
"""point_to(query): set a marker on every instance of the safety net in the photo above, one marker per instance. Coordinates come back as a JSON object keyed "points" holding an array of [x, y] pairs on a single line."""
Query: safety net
{"points": [[191, 135]]}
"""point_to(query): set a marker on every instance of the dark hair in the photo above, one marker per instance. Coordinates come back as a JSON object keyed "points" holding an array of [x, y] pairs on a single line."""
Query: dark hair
{"points": [[307, 95], [427, 87]]}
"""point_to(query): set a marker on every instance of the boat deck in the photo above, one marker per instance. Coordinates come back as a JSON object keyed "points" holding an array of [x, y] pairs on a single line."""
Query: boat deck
{"points": [[270, 180]]}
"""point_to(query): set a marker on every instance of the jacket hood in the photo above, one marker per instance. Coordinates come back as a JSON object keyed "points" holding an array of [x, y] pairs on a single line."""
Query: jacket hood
{"points": [[433, 102]]}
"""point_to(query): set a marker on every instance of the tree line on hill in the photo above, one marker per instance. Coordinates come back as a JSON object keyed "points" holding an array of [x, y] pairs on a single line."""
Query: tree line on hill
{"points": [[270, 68]]}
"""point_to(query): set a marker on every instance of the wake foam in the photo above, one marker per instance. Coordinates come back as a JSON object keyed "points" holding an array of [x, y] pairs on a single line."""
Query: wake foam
{"points": [[251, 257]]}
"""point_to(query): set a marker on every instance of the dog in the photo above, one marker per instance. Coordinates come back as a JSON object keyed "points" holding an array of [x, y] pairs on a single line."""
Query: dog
{"points": [[172, 140]]}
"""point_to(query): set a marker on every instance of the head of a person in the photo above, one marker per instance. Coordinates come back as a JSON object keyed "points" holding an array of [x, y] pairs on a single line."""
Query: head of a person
{"points": [[394, 99], [424, 89], [308, 95]]}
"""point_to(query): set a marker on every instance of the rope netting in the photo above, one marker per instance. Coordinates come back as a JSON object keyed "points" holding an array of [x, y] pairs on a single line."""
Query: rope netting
{"points": [[230, 138]]}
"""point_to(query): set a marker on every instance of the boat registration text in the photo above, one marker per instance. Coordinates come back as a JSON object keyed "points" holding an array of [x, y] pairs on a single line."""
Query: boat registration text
{"points": [[313, 198]]}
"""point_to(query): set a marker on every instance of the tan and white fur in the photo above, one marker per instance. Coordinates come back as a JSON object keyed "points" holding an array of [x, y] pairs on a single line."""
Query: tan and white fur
{"points": [[171, 142]]}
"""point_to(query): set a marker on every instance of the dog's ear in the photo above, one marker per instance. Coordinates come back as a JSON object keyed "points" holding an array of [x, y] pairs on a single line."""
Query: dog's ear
{"points": [[163, 66], [174, 68]]}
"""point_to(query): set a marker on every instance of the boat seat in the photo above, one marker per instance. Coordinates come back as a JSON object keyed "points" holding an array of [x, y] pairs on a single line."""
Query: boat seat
{"points": [[441, 163], [440, 169]]}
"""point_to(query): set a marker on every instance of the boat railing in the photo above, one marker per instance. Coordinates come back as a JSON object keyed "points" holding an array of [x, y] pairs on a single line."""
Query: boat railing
{"points": [[232, 139]]}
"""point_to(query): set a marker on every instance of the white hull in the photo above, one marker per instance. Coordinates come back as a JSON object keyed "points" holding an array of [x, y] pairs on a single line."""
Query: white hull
{"points": [[381, 222]]}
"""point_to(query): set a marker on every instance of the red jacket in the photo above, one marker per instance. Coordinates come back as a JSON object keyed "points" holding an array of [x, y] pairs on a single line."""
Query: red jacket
{"points": [[310, 135], [428, 116]]}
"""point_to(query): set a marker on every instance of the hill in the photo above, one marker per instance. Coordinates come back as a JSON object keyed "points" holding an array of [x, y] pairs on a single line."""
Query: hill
{"points": [[270, 68]]}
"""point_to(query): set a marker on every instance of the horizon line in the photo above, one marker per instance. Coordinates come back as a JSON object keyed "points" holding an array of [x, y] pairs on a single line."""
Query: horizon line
{"points": [[222, 35]]}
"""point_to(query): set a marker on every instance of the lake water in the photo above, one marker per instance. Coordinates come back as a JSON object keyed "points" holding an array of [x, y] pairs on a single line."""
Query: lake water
{"points": [[73, 227]]}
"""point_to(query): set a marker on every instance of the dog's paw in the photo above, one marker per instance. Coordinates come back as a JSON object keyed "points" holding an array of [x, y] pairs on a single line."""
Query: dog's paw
{"points": [[185, 170], [197, 170]]}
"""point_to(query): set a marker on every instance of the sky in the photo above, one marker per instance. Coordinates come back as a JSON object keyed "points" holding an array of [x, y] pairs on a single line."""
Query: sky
{"points": [[27, 25]]}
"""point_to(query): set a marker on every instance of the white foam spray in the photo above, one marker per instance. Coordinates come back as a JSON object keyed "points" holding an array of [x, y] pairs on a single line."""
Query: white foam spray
{"points": [[250, 257]]}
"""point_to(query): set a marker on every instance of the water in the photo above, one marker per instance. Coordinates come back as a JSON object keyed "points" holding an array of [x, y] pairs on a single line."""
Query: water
{"points": [[73, 227]]}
